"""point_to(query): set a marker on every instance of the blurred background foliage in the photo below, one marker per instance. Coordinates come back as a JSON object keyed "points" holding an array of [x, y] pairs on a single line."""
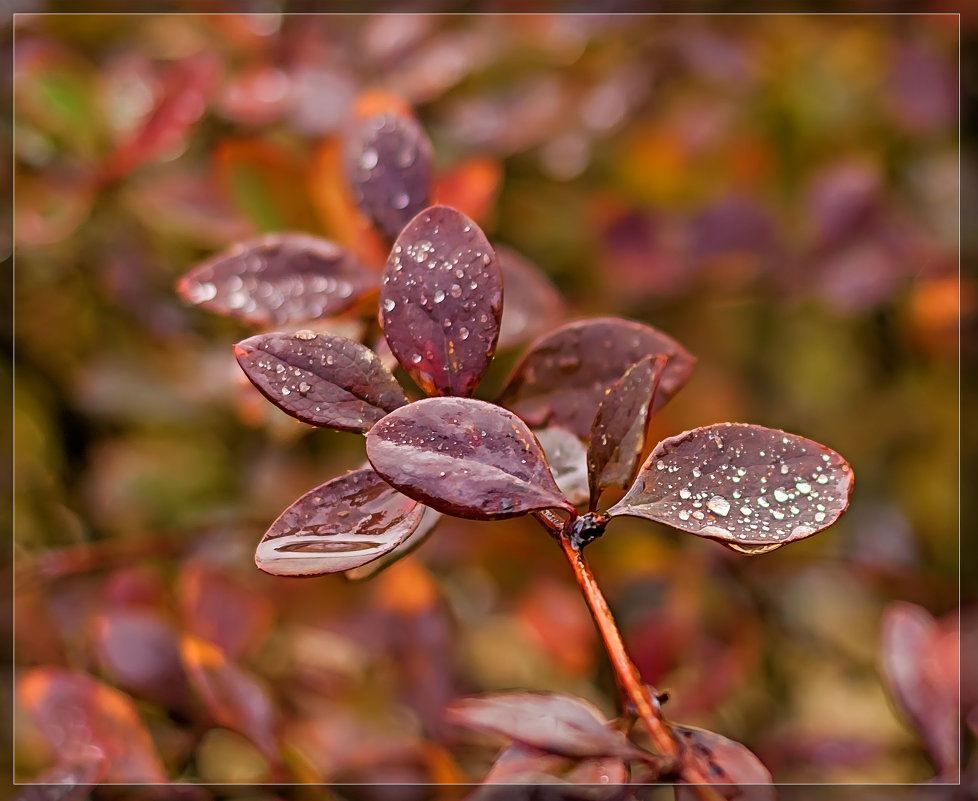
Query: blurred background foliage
{"points": [[778, 193]]}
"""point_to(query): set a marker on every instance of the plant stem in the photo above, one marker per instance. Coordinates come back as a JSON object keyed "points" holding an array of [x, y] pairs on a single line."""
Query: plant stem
{"points": [[638, 695]]}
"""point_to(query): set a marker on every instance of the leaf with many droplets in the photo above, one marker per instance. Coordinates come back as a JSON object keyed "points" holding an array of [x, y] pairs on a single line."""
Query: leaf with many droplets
{"points": [[321, 379], [83, 719], [464, 457], [723, 762], [389, 166], [339, 525], [533, 304], [618, 432], [429, 522], [441, 301], [278, 279], [563, 377], [749, 487], [567, 458], [555, 723]]}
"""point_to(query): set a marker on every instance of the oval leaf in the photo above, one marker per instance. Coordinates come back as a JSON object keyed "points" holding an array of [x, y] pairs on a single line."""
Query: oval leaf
{"points": [[441, 301], [750, 487], [557, 724], [234, 697], [339, 525], [533, 304], [567, 458], [82, 718], [724, 762], [278, 279], [429, 522], [563, 378], [618, 433], [321, 379], [464, 457], [389, 166]]}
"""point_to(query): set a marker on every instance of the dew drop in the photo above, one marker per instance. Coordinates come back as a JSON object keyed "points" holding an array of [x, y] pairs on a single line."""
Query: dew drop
{"points": [[803, 487], [822, 479], [660, 465], [819, 517], [684, 493], [305, 334], [463, 333], [683, 514], [389, 304], [780, 495], [400, 200], [304, 388], [368, 159], [416, 358], [746, 511], [455, 291], [439, 296], [719, 505], [286, 391]]}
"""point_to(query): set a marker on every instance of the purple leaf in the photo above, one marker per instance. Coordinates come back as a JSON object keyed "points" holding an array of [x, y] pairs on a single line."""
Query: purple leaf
{"points": [[919, 662], [724, 762], [563, 377], [278, 279], [429, 522], [567, 458], [524, 765], [389, 166], [441, 301], [464, 457], [338, 526], [557, 724], [533, 305], [321, 379], [749, 487], [618, 433]]}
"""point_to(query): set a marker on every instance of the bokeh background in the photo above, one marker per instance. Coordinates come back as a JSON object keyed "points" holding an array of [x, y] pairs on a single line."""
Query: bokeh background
{"points": [[778, 193]]}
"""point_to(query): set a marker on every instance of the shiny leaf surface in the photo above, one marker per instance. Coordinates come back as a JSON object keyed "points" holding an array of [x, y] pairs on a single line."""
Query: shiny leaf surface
{"points": [[234, 697], [441, 301], [389, 166], [464, 457], [83, 719], [429, 522], [557, 724], [567, 458], [563, 378], [533, 304], [321, 379], [723, 762], [338, 526], [749, 487], [278, 279], [618, 433]]}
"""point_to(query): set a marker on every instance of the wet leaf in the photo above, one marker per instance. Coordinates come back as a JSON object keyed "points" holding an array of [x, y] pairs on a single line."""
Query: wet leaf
{"points": [[749, 487], [533, 304], [464, 457], [233, 696], [558, 724], [723, 762], [222, 608], [593, 779], [338, 526], [429, 521], [567, 458], [389, 166], [618, 433], [140, 650], [83, 719], [563, 377], [919, 663], [277, 279], [321, 379], [441, 301]]}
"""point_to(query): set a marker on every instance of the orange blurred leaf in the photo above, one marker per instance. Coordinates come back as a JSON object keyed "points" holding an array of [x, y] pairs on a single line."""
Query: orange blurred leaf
{"points": [[470, 186]]}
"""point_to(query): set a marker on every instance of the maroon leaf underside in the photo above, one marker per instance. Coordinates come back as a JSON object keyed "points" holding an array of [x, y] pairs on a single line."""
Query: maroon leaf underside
{"points": [[567, 458], [533, 304], [749, 487], [563, 377], [340, 525], [524, 764], [389, 165], [723, 762], [557, 724], [321, 379], [441, 302], [278, 279], [464, 457], [620, 426], [922, 679]]}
